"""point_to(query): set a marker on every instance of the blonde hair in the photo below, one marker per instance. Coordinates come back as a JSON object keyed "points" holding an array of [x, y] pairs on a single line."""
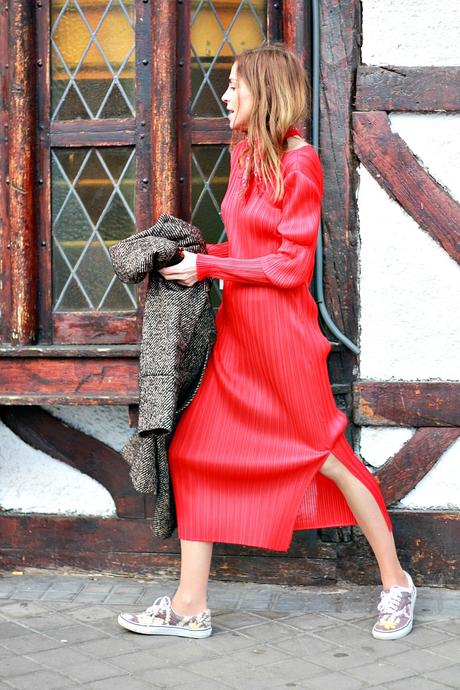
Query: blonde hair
{"points": [[281, 91]]}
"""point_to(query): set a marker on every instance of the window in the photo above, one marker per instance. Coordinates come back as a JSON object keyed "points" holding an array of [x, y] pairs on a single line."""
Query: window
{"points": [[94, 192]]}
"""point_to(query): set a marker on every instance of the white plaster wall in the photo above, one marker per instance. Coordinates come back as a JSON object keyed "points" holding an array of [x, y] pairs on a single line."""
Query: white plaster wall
{"points": [[33, 482], [377, 444], [409, 294], [413, 32]]}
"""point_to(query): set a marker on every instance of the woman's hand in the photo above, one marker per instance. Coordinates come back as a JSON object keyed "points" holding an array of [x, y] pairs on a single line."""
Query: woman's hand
{"points": [[184, 272]]}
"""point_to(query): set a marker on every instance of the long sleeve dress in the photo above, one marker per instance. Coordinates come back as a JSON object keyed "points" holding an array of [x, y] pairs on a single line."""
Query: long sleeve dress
{"points": [[245, 455]]}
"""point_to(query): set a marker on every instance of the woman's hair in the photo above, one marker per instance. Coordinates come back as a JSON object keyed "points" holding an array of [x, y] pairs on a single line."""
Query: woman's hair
{"points": [[280, 90]]}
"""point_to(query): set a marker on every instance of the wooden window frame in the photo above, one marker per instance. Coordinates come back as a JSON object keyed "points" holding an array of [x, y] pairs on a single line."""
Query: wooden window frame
{"points": [[28, 304]]}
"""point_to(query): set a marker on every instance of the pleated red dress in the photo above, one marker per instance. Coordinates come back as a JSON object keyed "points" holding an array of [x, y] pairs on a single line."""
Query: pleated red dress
{"points": [[246, 453]]}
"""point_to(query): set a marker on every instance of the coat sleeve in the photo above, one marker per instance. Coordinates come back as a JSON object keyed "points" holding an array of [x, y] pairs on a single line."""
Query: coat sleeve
{"points": [[288, 266], [220, 249], [134, 257]]}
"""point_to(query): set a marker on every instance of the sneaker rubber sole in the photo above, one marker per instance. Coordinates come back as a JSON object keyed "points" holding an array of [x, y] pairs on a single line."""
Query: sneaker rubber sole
{"points": [[175, 630]]}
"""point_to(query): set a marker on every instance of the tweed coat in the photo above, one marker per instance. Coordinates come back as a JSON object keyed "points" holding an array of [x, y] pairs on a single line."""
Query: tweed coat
{"points": [[178, 333]]}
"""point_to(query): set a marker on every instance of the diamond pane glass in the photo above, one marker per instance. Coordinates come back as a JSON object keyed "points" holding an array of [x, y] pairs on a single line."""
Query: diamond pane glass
{"points": [[219, 31], [210, 169], [92, 208], [92, 59]]}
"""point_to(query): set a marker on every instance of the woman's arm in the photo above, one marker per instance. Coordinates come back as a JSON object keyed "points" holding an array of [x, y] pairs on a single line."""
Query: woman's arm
{"points": [[219, 249], [289, 265]]}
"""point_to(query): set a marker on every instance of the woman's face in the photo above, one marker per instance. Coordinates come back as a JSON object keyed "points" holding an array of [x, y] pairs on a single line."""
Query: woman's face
{"points": [[238, 100]]}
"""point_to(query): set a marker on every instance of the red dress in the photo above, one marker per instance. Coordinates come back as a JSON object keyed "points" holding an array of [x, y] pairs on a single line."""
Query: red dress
{"points": [[246, 453]]}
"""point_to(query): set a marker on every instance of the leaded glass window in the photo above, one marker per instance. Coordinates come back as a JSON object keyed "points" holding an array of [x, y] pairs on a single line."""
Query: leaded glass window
{"points": [[92, 46], [219, 31], [93, 195], [209, 181], [92, 59]]}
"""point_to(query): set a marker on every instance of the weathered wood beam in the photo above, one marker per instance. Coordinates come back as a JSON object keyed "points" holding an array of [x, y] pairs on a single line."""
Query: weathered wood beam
{"points": [[5, 254], [44, 432], [121, 132], [95, 378], [21, 163], [128, 546], [340, 56], [42, 201], [408, 89], [390, 161], [428, 542], [411, 463], [199, 135], [163, 123], [78, 351], [68, 381], [95, 327], [406, 403], [294, 28]]}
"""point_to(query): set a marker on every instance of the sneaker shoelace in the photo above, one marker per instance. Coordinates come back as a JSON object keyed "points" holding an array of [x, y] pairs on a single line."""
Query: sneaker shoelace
{"points": [[160, 604], [390, 603]]}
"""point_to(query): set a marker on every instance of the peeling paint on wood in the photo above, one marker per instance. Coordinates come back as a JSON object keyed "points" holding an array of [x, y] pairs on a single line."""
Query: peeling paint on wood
{"points": [[163, 118], [406, 403], [21, 172], [408, 89]]}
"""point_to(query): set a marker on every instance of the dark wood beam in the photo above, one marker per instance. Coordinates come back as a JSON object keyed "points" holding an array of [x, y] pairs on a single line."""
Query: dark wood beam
{"points": [[202, 135], [70, 351], [408, 89], [21, 172], [107, 381], [390, 161], [128, 546], [42, 201], [340, 56], [294, 28], [409, 465], [5, 253], [406, 403], [112, 328], [111, 132], [163, 122], [96, 378], [427, 540]]}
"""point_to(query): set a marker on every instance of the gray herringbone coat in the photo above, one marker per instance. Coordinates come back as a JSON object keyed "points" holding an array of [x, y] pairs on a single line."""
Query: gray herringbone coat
{"points": [[178, 332]]}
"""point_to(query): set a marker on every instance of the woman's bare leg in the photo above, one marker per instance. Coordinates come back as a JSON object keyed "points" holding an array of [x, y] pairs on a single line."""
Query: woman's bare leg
{"points": [[192, 594], [369, 517]]}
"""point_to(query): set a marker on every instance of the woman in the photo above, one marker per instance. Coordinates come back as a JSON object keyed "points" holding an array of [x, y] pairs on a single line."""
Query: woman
{"points": [[261, 449]]}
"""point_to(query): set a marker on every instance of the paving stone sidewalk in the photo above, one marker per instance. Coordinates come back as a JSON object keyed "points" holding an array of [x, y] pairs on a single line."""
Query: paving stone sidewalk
{"points": [[60, 631]]}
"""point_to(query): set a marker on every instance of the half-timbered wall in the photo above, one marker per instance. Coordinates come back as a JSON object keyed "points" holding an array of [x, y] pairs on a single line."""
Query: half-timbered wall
{"points": [[389, 145], [409, 284]]}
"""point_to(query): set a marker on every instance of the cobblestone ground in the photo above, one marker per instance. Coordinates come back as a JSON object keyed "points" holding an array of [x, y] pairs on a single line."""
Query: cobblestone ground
{"points": [[60, 631]]}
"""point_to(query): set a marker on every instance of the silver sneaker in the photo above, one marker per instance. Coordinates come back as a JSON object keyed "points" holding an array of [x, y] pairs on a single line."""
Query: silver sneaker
{"points": [[161, 619], [396, 610]]}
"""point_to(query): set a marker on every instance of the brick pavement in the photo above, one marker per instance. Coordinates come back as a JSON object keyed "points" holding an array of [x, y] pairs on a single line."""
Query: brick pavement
{"points": [[60, 631]]}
